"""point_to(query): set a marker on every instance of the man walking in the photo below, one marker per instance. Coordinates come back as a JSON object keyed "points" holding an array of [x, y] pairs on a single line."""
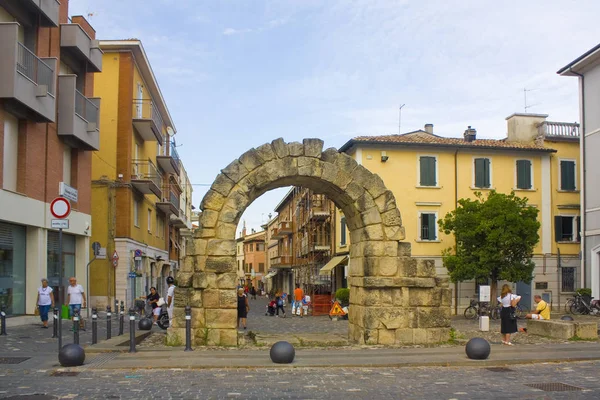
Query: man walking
{"points": [[298, 296], [170, 298]]}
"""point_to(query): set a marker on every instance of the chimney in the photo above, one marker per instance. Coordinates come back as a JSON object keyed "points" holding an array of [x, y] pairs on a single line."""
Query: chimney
{"points": [[244, 229], [470, 134], [429, 128], [523, 128]]}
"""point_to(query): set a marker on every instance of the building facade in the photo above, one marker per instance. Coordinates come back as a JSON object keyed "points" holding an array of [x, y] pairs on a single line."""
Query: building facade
{"points": [[141, 194], [255, 258], [48, 131], [428, 174], [587, 69]]}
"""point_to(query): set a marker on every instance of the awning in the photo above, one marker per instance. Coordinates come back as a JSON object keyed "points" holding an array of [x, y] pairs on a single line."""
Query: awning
{"points": [[270, 275], [334, 262]]}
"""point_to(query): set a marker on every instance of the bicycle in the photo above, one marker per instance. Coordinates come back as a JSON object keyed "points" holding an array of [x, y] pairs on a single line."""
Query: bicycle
{"points": [[520, 310], [581, 306], [476, 309]]}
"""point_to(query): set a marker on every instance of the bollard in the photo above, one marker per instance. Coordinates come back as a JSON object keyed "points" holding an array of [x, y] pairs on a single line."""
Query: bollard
{"points": [[94, 325], [121, 319], [188, 328], [132, 330], [108, 327], [116, 310], [55, 323], [3, 320], [76, 326]]}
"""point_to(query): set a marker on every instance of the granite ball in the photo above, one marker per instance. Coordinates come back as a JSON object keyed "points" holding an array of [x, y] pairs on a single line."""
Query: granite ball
{"points": [[566, 318], [71, 355], [478, 349], [282, 353], [145, 324]]}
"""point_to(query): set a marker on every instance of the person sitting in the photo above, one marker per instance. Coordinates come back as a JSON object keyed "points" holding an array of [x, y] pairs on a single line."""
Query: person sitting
{"points": [[542, 311], [271, 308], [153, 298]]}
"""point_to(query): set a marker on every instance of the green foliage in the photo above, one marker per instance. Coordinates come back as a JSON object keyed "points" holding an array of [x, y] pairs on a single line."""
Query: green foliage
{"points": [[343, 295], [495, 238], [586, 292]]}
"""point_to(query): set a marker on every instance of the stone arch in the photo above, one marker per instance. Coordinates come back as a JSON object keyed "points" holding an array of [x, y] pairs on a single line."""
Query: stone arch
{"points": [[394, 298]]}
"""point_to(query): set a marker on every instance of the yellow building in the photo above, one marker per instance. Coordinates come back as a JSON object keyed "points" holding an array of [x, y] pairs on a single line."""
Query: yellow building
{"points": [[428, 174], [140, 204]]}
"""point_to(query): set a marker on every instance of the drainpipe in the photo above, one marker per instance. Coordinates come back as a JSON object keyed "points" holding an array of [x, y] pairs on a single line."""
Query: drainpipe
{"points": [[457, 284], [582, 169]]}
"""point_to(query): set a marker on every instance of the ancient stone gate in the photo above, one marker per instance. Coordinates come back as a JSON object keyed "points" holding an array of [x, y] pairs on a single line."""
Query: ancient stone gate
{"points": [[394, 299]]}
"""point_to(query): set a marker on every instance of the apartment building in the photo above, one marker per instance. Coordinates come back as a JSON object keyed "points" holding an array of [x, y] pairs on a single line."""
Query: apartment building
{"points": [[538, 159], [587, 69], [48, 131], [254, 258], [141, 193]]}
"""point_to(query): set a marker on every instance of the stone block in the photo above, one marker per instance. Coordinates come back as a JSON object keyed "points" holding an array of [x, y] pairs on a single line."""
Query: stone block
{"points": [[185, 279], [178, 317], [221, 319], [387, 336], [442, 281], [375, 185], [225, 231], [414, 282], [371, 336], [228, 337], [221, 247], [237, 200], [391, 218], [250, 160], [394, 232], [201, 336], [312, 147], [365, 202], [586, 330], [206, 233], [196, 300], [354, 190], [213, 336], [425, 268], [227, 298], [357, 267], [386, 202], [420, 297], [200, 246], [407, 267], [378, 248], [404, 249], [438, 335], [420, 336], [356, 235], [433, 317], [200, 264], [346, 163], [266, 152], [372, 232], [198, 320], [200, 280], [308, 166], [222, 184], [212, 200], [210, 298], [280, 148], [380, 266], [183, 296], [395, 318], [229, 215], [188, 264], [404, 336], [556, 329], [371, 216], [227, 281], [446, 297], [235, 171], [221, 264], [296, 149], [175, 337], [375, 297], [209, 219]]}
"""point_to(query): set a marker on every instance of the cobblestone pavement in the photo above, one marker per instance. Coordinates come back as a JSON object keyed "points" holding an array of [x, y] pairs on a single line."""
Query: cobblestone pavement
{"points": [[304, 383]]}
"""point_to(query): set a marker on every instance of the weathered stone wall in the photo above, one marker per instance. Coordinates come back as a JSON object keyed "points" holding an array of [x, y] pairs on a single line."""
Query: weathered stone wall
{"points": [[394, 299]]}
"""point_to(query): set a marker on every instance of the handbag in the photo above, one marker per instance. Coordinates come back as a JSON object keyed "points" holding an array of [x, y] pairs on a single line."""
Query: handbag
{"points": [[160, 302], [513, 314]]}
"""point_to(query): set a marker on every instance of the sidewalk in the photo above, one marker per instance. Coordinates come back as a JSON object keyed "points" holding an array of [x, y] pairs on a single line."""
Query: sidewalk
{"points": [[348, 357]]}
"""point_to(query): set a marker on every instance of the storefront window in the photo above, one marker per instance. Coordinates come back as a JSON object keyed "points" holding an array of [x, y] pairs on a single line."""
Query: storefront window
{"points": [[12, 268], [68, 253]]}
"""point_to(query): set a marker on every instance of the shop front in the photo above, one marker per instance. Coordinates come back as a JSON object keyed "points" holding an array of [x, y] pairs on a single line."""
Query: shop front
{"points": [[13, 250]]}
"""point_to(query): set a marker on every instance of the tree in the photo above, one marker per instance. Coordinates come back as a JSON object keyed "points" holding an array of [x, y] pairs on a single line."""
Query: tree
{"points": [[495, 238]]}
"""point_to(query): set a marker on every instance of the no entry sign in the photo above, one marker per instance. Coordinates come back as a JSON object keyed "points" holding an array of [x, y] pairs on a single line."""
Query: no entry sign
{"points": [[60, 208]]}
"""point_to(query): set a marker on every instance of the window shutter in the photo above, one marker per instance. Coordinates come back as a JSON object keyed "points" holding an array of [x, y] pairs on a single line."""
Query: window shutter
{"points": [[427, 165], [478, 172], [523, 174], [432, 170], [578, 233], [422, 225], [432, 230], [567, 175], [486, 172], [343, 231], [571, 169], [557, 228]]}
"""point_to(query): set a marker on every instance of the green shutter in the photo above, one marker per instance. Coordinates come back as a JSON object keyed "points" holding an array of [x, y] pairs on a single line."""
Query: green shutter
{"points": [[567, 175], [427, 177], [343, 232], [558, 228], [578, 233], [486, 172], [523, 174], [482, 172], [432, 230]]}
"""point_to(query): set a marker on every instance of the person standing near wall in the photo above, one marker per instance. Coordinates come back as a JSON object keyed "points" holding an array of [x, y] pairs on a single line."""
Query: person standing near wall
{"points": [[170, 298], [45, 300]]}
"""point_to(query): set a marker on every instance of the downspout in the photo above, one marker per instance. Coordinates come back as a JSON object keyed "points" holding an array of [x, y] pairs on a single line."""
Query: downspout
{"points": [[582, 169], [457, 284]]}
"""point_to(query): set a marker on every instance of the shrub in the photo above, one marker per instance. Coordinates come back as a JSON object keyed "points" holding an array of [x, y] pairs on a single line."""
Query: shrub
{"points": [[587, 292], [343, 295]]}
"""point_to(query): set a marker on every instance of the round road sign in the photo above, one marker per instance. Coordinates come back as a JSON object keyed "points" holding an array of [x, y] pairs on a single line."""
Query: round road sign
{"points": [[60, 208]]}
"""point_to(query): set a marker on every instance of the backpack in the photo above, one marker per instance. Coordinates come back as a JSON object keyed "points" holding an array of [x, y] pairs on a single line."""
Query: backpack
{"points": [[280, 302]]}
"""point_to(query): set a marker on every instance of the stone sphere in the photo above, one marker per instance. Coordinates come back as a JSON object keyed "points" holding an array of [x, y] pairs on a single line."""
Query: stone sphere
{"points": [[282, 353], [71, 355], [478, 349], [145, 324], [567, 318]]}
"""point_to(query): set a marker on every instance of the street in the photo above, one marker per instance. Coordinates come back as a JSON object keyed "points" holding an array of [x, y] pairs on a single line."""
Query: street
{"points": [[319, 383]]}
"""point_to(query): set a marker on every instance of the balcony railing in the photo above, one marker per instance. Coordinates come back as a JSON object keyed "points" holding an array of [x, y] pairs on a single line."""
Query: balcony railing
{"points": [[145, 170], [29, 65], [559, 129], [174, 199], [85, 108], [147, 120], [281, 260], [173, 152]]}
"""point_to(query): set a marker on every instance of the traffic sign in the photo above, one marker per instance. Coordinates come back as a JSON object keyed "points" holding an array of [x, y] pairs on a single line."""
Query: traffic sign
{"points": [[60, 208], [59, 224], [132, 275], [115, 255], [115, 263], [138, 253], [336, 310]]}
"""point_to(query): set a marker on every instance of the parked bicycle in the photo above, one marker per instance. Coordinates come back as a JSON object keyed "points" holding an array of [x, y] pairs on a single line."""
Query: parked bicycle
{"points": [[580, 305], [520, 310], [476, 309]]}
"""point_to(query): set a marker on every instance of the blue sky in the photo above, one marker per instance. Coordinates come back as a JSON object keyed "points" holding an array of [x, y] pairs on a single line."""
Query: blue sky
{"points": [[237, 74]]}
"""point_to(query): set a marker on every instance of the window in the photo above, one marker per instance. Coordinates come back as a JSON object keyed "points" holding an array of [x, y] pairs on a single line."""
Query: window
{"points": [[343, 232], [261, 267], [427, 169], [260, 247], [136, 213], [149, 221], [482, 172], [566, 228], [567, 279], [567, 175], [427, 229], [251, 247], [524, 174]]}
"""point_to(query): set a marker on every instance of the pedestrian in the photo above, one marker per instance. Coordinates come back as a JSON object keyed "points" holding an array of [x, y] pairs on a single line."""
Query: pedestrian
{"points": [[75, 298], [45, 300], [170, 298], [153, 298], [279, 302], [253, 293], [508, 320], [298, 296], [242, 308]]}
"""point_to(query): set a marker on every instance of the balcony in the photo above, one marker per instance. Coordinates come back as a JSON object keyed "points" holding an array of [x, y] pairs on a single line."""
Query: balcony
{"points": [[44, 12], [170, 163], [559, 130], [145, 177], [80, 47], [27, 82], [283, 261], [78, 116], [147, 120], [284, 228], [169, 205], [319, 214], [179, 220]]}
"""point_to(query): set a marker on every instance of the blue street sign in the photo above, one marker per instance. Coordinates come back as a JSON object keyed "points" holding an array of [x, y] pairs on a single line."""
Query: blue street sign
{"points": [[132, 275], [138, 253]]}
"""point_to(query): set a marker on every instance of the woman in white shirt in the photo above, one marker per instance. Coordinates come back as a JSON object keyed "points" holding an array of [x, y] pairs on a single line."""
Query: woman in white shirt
{"points": [[508, 325], [45, 300]]}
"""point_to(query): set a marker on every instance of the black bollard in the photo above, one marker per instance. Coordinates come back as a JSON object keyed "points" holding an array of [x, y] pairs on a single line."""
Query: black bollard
{"points": [[94, 325], [188, 328], [3, 320], [116, 310], [76, 326], [132, 330], [121, 318], [108, 326], [55, 323]]}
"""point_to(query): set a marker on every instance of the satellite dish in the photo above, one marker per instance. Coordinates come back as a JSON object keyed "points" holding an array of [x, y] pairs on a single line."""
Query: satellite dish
{"points": [[170, 131]]}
